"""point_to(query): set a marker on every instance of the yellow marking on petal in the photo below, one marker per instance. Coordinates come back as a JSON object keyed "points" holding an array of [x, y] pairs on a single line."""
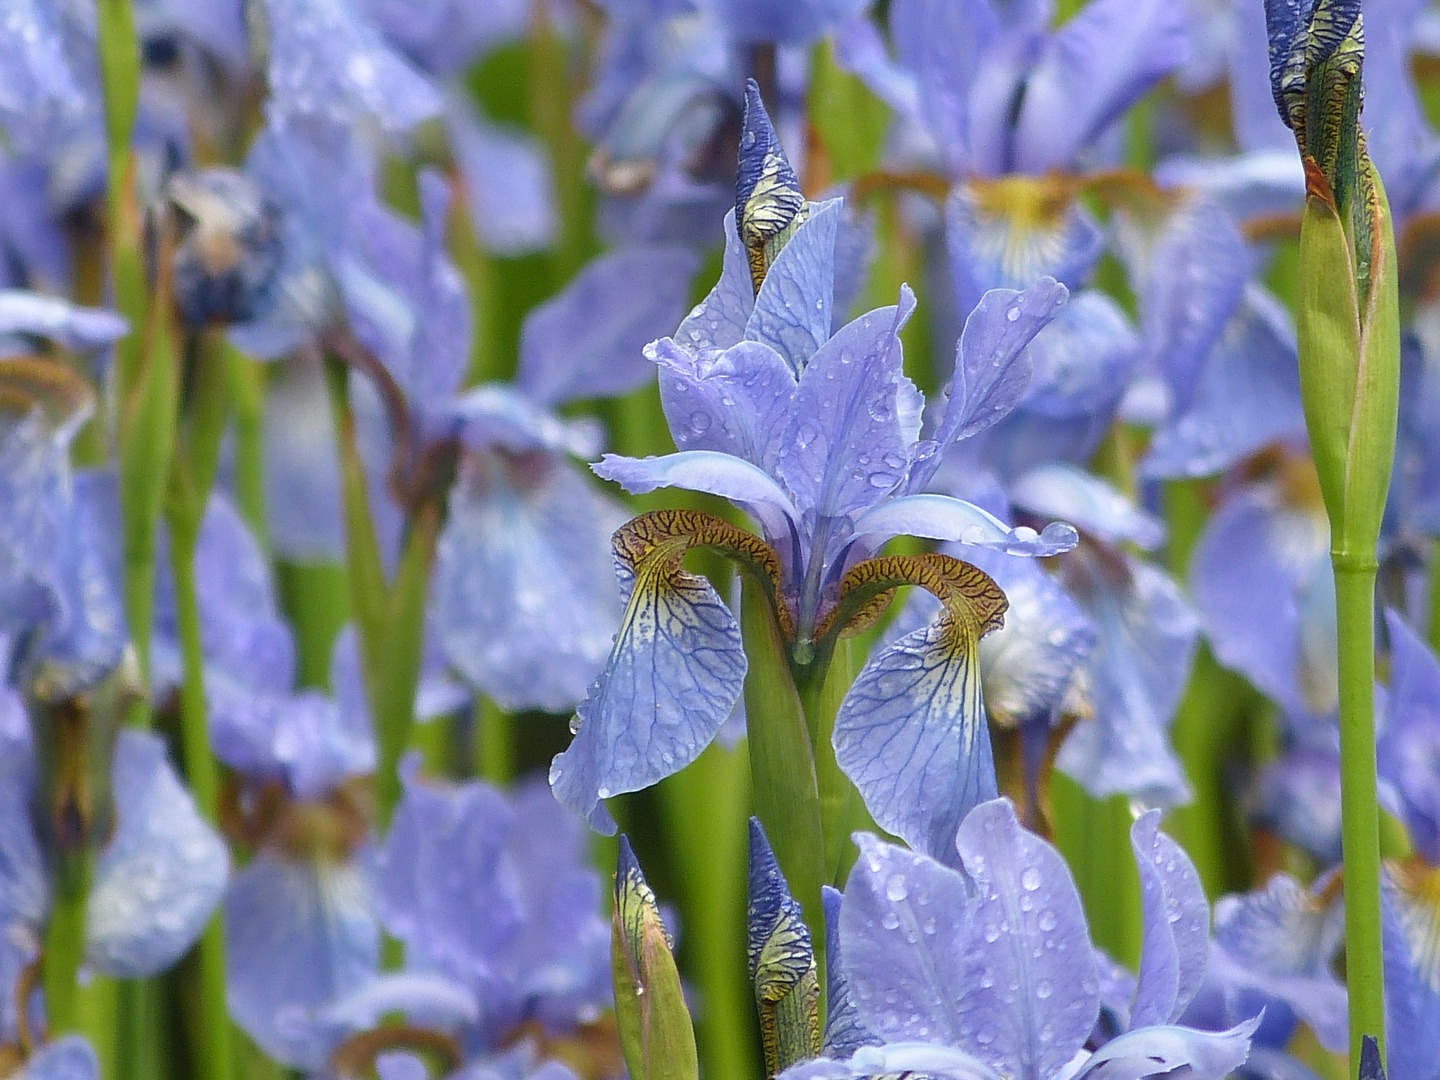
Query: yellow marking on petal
{"points": [[30, 382], [654, 544], [1419, 886], [971, 597]]}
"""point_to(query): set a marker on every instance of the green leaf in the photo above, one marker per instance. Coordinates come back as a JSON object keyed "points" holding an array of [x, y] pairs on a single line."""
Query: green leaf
{"points": [[656, 1034], [782, 765]]}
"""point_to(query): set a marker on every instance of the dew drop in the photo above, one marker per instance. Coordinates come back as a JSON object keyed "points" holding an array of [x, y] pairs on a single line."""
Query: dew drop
{"points": [[896, 889], [1030, 879], [890, 921]]}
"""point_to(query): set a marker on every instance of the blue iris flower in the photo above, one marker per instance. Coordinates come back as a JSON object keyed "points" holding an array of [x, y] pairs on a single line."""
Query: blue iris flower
{"points": [[986, 969], [819, 437]]}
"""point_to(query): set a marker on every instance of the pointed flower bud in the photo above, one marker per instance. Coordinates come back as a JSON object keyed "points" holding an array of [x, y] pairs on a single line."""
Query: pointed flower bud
{"points": [[655, 1030], [1347, 310], [782, 963], [769, 205]]}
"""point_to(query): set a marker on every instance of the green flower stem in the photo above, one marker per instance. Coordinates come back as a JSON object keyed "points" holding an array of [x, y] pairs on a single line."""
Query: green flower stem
{"points": [[494, 742], [64, 949], [1360, 815], [705, 808], [316, 599], [1094, 837], [247, 394], [212, 1041], [782, 766], [553, 87], [389, 617], [820, 697]]}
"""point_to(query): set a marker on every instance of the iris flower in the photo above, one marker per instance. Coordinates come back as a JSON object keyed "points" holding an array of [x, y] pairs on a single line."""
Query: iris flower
{"points": [[986, 969], [819, 438]]}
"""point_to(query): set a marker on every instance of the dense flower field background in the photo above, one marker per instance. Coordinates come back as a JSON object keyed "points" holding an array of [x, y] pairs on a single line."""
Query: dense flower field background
{"points": [[557, 539]]}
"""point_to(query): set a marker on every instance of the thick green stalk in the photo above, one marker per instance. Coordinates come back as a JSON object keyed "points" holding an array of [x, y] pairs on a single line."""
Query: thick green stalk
{"points": [[1360, 820], [782, 767], [64, 949], [820, 697], [494, 742], [316, 599], [705, 808], [247, 392], [212, 1042]]}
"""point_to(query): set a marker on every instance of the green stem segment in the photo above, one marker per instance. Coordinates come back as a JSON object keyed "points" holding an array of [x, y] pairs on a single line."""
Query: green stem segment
{"points": [[1360, 826], [213, 1039], [782, 764]]}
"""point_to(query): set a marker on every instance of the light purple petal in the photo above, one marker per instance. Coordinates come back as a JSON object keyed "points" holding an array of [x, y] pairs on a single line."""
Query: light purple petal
{"points": [[526, 600], [588, 340], [792, 308], [1027, 667], [1247, 396], [1137, 672], [1191, 279], [913, 737], [992, 368], [24, 874], [1154, 1051], [326, 61], [496, 414], [705, 470], [851, 428], [997, 247], [896, 1059], [903, 927], [443, 887], [1177, 925], [1087, 502], [508, 187], [1253, 184], [1033, 988], [1251, 571], [736, 402], [719, 320], [298, 937], [67, 1058], [1298, 796], [781, 22], [1093, 69], [942, 42], [673, 677], [940, 517], [1280, 941], [69, 324], [1409, 748], [1412, 977], [1252, 103], [845, 1032], [302, 465], [162, 873]]}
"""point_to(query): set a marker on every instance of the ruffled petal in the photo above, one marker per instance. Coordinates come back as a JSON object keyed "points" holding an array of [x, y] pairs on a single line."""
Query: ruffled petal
{"points": [[587, 341], [735, 402], [706, 470], [298, 937], [792, 309], [526, 601], [904, 926], [1177, 925], [913, 737], [940, 517], [851, 429], [674, 674], [162, 873]]}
